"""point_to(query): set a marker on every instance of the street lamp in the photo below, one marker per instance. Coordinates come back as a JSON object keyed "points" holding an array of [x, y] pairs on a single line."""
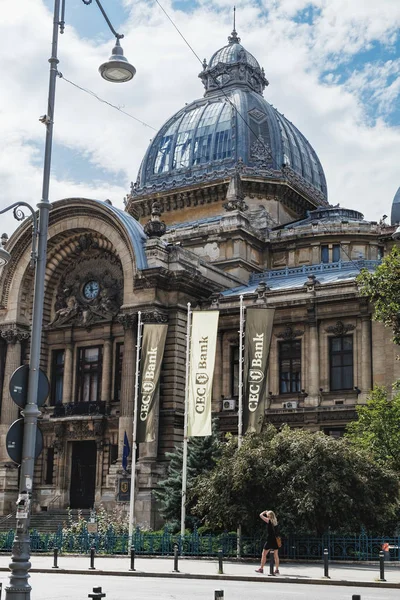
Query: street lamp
{"points": [[117, 69]]}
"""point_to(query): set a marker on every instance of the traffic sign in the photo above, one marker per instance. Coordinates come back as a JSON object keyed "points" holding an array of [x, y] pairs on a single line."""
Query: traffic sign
{"points": [[14, 439], [19, 386]]}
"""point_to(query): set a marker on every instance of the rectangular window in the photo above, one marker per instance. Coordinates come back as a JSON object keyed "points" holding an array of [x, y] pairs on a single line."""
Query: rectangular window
{"points": [[341, 362], [89, 374], [113, 456], [335, 432], [289, 366], [324, 253], [57, 377], [335, 252], [235, 371], [49, 466], [119, 358]]}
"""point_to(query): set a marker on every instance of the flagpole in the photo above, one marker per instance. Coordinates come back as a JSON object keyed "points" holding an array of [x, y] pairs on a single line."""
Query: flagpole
{"points": [[240, 407], [133, 471], [185, 424]]}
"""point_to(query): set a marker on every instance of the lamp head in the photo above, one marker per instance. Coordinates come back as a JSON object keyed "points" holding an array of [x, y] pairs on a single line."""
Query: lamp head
{"points": [[117, 69]]}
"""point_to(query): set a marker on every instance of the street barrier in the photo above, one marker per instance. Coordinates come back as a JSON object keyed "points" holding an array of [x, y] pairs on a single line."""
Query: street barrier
{"points": [[382, 566], [55, 563], [132, 567], [326, 563], [220, 563], [92, 567], [271, 564], [176, 549]]}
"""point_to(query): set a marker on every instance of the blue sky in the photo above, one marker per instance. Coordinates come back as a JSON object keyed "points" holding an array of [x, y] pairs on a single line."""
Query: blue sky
{"points": [[333, 67]]}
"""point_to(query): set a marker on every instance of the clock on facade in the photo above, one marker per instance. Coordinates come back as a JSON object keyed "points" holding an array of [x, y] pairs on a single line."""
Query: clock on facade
{"points": [[91, 290]]}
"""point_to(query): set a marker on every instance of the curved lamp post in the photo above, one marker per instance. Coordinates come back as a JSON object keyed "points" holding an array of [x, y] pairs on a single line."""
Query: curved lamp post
{"points": [[117, 69]]}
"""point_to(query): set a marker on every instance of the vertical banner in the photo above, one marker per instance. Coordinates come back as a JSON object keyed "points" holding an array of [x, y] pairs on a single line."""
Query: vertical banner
{"points": [[202, 358], [259, 323], [152, 354]]}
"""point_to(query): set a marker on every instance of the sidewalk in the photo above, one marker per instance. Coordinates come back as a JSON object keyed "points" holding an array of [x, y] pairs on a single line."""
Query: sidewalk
{"points": [[311, 573]]}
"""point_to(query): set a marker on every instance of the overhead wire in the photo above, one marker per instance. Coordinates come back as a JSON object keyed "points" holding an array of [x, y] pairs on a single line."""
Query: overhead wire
{"points": [[87, 91]]}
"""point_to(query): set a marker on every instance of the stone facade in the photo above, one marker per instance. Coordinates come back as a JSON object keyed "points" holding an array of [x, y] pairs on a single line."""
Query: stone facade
{"points": [[243, 230]]}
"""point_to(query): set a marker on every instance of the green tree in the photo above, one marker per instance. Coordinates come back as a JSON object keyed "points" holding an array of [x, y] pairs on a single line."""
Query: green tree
{"points": [[203, 452], [382, 287], [377, 429], [313, 482]]}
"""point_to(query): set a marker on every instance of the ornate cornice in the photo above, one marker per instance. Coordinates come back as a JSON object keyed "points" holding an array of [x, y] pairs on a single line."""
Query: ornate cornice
{"points": [[14, 334], [340, 328], [127, 320], [289, 333], [154, 316]]}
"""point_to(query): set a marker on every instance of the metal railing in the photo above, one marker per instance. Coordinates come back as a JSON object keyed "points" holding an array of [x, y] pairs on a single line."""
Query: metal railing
{"points": [[303, 547]]}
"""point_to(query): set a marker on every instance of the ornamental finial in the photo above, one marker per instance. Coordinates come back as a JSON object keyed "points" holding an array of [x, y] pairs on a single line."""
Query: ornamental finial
{"points": [[233, 38]]}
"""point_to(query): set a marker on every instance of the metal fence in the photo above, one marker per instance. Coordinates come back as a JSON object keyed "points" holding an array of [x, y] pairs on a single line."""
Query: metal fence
{"points": [[303, 547]]}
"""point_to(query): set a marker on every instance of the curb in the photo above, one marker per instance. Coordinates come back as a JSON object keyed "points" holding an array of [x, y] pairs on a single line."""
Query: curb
{"points": [[216, 577]]}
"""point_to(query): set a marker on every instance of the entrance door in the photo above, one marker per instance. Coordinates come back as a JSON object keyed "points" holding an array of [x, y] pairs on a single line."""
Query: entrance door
{"points": [[83, 474]]}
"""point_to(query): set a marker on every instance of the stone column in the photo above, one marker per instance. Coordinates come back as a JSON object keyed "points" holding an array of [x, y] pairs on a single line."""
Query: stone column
{"points": [[365, 354], [313, 358], [313, 361], [9, 413], [9, 410], [129, 322], [106, 374], [68, 374]]}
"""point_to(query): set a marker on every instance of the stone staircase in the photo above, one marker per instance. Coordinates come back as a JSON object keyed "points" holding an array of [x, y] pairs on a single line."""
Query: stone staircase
{"points": [[45, 521]]}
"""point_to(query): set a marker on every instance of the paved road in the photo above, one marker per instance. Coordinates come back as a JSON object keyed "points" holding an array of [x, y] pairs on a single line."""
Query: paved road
{"points": [[77, 587]]}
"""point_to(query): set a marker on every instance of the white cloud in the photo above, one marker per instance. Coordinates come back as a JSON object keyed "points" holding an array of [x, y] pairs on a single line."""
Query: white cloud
{"points": [[360, 160]]}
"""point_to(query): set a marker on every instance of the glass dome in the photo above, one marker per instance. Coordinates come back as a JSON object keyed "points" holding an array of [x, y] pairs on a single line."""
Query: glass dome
{"points": [[232, 124]]}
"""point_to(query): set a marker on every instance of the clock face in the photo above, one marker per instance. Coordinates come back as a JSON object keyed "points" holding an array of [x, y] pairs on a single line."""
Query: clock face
{"points": [[91, 290]]}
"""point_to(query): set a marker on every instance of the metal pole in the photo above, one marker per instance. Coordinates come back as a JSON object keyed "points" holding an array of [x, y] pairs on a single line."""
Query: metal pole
{"points": [[185, 425], [133, 468], [55, 564], [271, 563], [326, 563], [132, 567], [92, 567], [240, 408], [382, 566], [176, 570], [220, 563], [19, 588], [240, 411]]}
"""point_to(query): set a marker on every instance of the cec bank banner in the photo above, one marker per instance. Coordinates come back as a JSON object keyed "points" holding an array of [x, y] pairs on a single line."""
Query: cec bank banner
{"points": [[202, 352], [259, 323], [149, 389]]}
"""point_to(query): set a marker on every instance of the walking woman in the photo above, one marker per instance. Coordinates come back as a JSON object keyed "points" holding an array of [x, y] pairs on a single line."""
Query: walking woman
{"points": [[272, 543]]}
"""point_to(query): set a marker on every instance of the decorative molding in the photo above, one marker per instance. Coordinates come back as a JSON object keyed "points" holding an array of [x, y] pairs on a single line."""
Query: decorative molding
{"points": [[340, 328], [289, 333], [71, 305], [14, 334], [127, 320], [155, 228], [154, 316]]}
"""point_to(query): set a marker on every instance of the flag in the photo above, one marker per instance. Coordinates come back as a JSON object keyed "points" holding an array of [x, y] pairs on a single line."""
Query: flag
{"points": [[126, 452], [154, 337], [202, 359], [259, 323]]}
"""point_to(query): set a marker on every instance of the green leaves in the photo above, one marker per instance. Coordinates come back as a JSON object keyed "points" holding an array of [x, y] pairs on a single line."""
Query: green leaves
{"points": [[313, 482], [377, 430], [382, 287]]}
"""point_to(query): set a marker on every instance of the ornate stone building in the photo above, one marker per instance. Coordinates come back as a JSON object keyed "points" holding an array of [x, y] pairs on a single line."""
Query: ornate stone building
{"points": [[230, 200]]}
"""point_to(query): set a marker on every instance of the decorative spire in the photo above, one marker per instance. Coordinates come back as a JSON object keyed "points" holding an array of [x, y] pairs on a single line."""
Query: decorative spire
{"points": [[155, 227], [235, 195], [233, 38]]}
